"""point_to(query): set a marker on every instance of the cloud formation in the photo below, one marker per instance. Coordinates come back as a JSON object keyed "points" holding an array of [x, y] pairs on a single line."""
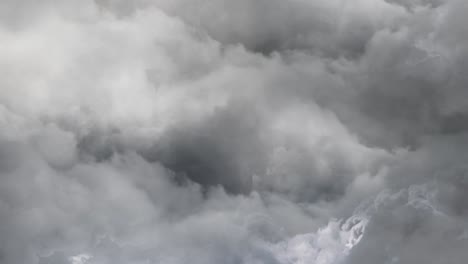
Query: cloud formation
{"points": [[251, 131]]}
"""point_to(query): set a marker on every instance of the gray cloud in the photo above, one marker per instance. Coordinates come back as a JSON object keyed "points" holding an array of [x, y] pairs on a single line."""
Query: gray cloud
{"points": [[249, 131]]}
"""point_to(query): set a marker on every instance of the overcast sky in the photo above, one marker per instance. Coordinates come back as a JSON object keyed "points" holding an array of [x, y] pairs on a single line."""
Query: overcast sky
{"points": [[233, 131]]}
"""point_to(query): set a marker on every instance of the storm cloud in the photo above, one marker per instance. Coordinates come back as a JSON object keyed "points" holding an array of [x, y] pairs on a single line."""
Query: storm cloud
{"points": [[249, 131]]}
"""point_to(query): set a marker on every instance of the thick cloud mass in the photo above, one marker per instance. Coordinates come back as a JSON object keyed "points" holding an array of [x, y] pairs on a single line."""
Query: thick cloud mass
{"points": [[249, 131]]}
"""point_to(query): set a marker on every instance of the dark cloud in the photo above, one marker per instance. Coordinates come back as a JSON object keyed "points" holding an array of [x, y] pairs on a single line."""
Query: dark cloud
{"points": [[251, 131], [226, 149]]}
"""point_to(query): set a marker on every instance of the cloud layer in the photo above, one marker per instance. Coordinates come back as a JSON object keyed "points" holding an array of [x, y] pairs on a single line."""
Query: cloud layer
{"points": [[250, 131]]}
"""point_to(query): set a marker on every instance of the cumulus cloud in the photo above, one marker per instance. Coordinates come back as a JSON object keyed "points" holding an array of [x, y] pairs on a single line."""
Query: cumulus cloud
{"points": [[251, 131]]}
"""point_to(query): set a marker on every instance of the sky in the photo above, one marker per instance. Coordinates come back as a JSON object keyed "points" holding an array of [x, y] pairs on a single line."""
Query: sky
{"points": [[233, 132]]}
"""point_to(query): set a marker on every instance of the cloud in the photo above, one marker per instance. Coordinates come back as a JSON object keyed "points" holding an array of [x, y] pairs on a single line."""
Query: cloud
{"points": [[249, 131]]}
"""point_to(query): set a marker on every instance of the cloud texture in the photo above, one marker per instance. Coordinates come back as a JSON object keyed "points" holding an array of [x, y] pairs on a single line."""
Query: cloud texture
{"points": [[249, 131]]}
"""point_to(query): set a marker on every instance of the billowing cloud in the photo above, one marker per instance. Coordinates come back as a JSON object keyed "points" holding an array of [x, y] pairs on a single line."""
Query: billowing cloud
{"points": [[251, 131]]}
